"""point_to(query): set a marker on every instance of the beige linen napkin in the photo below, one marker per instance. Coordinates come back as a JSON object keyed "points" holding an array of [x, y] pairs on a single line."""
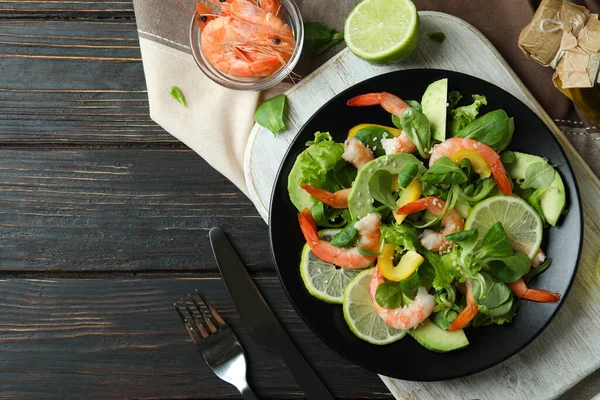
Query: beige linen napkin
{"points": [[217, 121]]}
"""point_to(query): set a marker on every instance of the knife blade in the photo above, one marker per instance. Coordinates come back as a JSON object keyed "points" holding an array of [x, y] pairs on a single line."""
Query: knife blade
{"points": [[264, 328]]}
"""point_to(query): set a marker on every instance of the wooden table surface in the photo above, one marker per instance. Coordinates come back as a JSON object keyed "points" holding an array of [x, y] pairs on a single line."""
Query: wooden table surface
{"points": [[103, 224]]}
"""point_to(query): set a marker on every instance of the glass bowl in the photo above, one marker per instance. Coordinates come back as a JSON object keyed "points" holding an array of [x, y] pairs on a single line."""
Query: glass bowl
{"points": [[292, 17]]}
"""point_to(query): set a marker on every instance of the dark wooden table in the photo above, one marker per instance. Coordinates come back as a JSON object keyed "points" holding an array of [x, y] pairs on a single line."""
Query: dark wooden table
{"points": [[103, 224]]}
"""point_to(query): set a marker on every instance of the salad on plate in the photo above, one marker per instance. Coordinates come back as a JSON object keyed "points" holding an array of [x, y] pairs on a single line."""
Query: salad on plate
{"points": [[428, 226]]}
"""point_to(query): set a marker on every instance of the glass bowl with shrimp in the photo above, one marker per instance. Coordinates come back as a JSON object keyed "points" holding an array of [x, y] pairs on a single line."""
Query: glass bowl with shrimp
{"points": [[246, 44]]}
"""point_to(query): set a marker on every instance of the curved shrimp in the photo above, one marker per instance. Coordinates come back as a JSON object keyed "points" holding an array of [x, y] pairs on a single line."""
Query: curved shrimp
{"points": [[369, 239], [520, 289], [468, 313], [431, 240], [203, 15], [450, 146], [249, 12], [356, 153], [408, 316], [338, 199], [394, 105], [242, 49], [271, 6], [398, 144]]}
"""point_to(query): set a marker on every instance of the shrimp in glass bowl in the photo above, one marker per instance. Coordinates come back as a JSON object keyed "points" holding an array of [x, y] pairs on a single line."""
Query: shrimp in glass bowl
{"points": [[247, 46]]}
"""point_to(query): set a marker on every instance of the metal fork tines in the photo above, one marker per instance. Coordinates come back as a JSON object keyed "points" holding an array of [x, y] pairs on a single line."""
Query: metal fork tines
{"points": [[217, 343]]}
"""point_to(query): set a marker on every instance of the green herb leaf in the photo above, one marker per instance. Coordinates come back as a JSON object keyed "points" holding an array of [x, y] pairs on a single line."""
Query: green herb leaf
{"points": [[410, 285], [318, 38], [326, 216], [489, 129], [407, 174], [503, 144], [269, 114], [507, 157], [538, 175], [536, 271], [396, 121], [446, 269], [453, 99], [389, 295], [444, 319], [509, 268], [436, 36], [371, 137], [416, 126], [496, 294], [474, 193], [380, 187], [415, 104], [345, 237], [429, 189], [403, 235], [177, 94], [463, 116], [444, 171], [495, 243], [344, 174], [320, 137]]}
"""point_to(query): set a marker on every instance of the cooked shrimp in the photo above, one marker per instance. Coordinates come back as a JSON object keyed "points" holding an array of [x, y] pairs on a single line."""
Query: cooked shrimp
{"points": [[394, 105], [450, 146], [203, 15], [538, 259], [398, 144], [338, 199], [369, 237], [251, 13], [356, 153], [468, 313], [435, 241], [408, 316], [271, 6], [520, 289], [242, 49]]}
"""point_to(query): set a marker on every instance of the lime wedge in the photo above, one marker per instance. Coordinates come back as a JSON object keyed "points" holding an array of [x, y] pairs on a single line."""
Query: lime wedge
{"points": [[382, 31], [522, 224], [360, 315], [323, 280]]}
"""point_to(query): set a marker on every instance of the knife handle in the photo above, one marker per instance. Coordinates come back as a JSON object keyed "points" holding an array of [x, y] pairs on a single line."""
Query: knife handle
{"points": [[302, 372]]}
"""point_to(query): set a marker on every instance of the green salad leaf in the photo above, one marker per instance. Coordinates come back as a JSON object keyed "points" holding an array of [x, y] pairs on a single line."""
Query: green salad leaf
{"points": [[403, 235], [318, 38], [536, 271], [416, 126], [463, 116], [177, 95], [380, 187], [538, 175], [371, 137], [507, 157], [490, 129], [436, 36], [410, 285], [311, 167], [389, 295], [346, 237], [415, 104], [446, 268], [326, 216], [344, 174], [407, 174], [269, 114], [444, 171]]}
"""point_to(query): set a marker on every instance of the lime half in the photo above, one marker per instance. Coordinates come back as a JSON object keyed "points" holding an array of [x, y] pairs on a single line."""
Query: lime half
{"points": [[522, 224], [382, 31], [323, 280], [361, 316]]}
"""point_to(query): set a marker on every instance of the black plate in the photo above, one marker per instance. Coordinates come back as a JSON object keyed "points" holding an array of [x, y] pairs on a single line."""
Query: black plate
{"points": [[406, 359]]}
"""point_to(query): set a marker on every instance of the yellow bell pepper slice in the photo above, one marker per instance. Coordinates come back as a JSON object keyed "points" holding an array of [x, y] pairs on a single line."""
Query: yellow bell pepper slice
{"points": [[353, 130], [409, 263], [410, 194], [480, 166]]}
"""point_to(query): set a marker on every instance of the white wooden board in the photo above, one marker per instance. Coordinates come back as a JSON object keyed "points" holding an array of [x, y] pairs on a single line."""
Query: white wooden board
{"points": [[569, 349]]}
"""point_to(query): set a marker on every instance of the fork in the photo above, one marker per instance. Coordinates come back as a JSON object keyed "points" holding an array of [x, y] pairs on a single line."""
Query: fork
{"points": [[216, 342]]}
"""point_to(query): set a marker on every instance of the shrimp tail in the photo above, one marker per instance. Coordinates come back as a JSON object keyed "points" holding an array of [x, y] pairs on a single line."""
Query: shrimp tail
{"points": [[468, 313], [520, 289], [338, 199], [308, 226], [364, 100], [414, 206]]}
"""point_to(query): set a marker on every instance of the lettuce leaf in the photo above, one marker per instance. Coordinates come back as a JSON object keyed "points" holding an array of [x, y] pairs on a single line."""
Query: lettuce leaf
{"points": [[463, 116], [311, 167]]}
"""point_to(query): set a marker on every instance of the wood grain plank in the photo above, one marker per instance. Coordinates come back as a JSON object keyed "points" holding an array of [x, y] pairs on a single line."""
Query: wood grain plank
{"points": [[66, 9], [120, 338], [119, 209]]}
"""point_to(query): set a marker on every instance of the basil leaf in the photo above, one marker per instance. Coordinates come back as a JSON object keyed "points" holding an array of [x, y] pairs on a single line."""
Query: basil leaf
{"points": [[410, 285], [495, 243], [389, 295], [402, 235], [269, 114], [318, 38], [507, 157], [345, 237], [436, 36], [327, 216], [444, 171], [407, 174], [503, 144], [489, 129], [344, 173], [536, 271], [538, 175], [415, 104], [416, 126], [177, 94], [371, 137], [380, 187]]}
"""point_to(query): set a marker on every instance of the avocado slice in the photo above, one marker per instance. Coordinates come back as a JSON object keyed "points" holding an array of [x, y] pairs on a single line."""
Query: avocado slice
{"points": [[553, 200], [434, 103], [432, 337], [360, 201]]}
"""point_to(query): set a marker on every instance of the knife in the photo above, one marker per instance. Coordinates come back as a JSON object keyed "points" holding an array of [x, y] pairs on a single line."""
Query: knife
{"points": [[263, 326]]}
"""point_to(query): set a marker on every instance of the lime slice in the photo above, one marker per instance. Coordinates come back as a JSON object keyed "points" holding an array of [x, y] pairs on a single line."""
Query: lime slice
{"points": [[323, 280], [382, 31], [360, 315], [522, 224]]}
